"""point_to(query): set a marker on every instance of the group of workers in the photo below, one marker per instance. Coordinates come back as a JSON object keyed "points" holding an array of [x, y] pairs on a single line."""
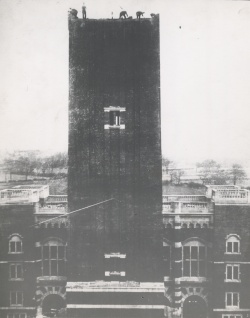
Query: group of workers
{"points": [[123, 14]]}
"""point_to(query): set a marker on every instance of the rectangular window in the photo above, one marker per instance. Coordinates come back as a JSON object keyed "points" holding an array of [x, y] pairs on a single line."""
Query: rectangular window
{"points": [[232, 300], [12, 247], [16, 298], [45, 252], [46, 267], [61, 252], [53, 268], [114, 118], [17, 315], [194, 261], [167, 260], [235, 247], [61, 270], [18, 247], [53, 259], [232, 272], [115, 264], [230, 247], [16, 271]]}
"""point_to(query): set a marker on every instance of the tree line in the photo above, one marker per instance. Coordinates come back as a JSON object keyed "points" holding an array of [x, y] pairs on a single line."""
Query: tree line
{"points": [[34, 162], [209, 172]]}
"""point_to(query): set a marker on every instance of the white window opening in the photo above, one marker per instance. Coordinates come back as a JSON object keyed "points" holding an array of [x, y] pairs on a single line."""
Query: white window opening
{"points": [[232, 300], [113, 118], [16, 271], [15, 244], [53, 258], [115, 264], [17, 315], [16, 298], [233, 244], [233, 272], [194, 260]]}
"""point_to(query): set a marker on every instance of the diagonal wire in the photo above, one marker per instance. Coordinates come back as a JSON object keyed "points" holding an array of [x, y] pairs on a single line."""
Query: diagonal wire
{"points": [[63, 215]]}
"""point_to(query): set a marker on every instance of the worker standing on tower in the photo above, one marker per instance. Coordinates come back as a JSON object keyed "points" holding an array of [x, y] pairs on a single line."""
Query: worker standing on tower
{"points": [[84, 14]]}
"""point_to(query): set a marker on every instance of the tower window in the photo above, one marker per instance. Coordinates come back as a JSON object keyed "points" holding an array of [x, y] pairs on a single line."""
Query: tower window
{"points": [[115, 264], [114, 117]]}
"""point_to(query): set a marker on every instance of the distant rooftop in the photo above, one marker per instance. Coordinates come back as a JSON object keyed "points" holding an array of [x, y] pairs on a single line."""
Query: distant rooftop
{"points": [[228, 194], [19, 196], [34, 193]]}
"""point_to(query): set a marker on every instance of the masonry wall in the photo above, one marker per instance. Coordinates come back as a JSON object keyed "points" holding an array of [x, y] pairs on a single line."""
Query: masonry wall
{"points": [[115, 63], [17, 219], [231, 219]]}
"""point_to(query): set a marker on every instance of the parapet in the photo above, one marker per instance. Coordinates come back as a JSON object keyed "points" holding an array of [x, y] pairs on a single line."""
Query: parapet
{"points": [[74, 22], [228, 194]]}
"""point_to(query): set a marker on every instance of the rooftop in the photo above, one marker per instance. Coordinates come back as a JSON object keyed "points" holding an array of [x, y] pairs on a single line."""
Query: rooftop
{"points": [[228, 194]]}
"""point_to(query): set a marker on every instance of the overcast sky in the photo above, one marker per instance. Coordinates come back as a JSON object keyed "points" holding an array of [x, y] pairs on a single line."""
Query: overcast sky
{"points": [[205, 74]]}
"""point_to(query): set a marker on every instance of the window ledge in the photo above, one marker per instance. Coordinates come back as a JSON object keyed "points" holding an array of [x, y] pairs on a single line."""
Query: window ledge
{"points": [[114, 127], [115, 273], [232, 281], [191, 279], [15, 253], [233, 307], [51, 278], [16, 279], [167, 279], [228, 253]]}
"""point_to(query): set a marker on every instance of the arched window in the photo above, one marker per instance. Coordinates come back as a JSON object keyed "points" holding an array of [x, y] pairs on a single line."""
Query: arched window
{"points": [[53, 258], [233, 244], [15, 244], [194, 259]]}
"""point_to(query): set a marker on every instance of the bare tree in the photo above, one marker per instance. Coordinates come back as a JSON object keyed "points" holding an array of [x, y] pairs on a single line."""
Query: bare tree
{"points": [[165, 164], [237, 173], [211, 172]]}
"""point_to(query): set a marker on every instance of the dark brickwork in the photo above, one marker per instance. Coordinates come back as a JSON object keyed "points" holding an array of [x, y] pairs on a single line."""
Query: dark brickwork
{"points": [[231, 219], [115, 63], [17, 220]]}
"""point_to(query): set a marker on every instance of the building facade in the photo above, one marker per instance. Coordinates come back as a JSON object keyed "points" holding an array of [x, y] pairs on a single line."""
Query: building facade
{"points": [[34, 235], [205, 253]]}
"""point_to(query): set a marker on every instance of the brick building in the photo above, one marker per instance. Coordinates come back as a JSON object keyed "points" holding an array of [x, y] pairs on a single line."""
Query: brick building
{"points": [[33, 232], [231, 252], [205, 254]]}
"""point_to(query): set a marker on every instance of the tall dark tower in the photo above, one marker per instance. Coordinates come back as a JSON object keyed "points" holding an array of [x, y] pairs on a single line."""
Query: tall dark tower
{"points": [[115, 150]]}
